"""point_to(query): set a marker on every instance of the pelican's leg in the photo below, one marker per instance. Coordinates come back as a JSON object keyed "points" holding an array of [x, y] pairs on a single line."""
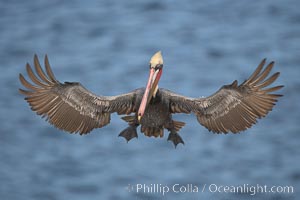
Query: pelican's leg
{"points": [[129, 132], [175, 137]]}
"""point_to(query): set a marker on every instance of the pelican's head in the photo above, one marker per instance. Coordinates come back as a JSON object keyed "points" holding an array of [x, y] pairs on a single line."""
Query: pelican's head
{"points": [[156, 60], [156, 65]]}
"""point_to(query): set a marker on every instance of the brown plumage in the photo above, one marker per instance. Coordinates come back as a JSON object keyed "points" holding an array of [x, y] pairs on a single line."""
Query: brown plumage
{"points": [[71, 107]]}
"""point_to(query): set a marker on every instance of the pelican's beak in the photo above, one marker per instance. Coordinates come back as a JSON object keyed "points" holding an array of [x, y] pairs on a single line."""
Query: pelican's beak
{"points": [[152, 86]]}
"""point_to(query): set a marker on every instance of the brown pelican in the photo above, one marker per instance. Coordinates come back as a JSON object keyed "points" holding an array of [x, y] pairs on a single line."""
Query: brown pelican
{"points": [[71, 107]]}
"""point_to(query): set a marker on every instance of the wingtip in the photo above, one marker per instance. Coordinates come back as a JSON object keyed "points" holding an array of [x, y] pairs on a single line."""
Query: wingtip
{"points": [[35, 56], [27, 66], [47, 64], [21, 76], [36, 60], [265, 59], [276, 74], [23, 92]]}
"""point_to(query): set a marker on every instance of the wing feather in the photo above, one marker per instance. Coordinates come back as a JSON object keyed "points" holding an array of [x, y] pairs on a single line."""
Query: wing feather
{"points": [[40, 71], [256, 72], [69, 106], [34, 78], [263, 75], [49, 70]]}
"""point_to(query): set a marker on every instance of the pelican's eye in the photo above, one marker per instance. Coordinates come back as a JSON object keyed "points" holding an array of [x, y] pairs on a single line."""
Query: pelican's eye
{"points": [[158, 66]]}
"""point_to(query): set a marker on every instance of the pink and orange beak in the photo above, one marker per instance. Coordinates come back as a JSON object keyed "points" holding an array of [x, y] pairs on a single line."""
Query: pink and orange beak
{"points": [[156, 64]]}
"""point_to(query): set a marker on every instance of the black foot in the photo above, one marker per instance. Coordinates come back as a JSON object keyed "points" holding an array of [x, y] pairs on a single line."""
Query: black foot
{"points": [[175, 138], [129, 133]]}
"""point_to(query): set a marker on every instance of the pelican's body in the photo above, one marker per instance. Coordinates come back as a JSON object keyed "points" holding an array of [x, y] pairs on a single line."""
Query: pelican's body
{"points": [[71, 107], [156, 118]]}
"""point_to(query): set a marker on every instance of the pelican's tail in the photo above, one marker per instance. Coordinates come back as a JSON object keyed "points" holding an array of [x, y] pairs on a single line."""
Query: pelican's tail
{"points": [[153, 131]]}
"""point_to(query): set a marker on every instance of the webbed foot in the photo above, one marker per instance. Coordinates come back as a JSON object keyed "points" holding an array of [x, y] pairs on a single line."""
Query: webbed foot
{"points": [[129, 133], [175, 138]]}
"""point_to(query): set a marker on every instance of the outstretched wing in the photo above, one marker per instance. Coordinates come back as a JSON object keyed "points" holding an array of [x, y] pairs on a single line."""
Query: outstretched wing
{"points": [[69, 106], [233, 108]]}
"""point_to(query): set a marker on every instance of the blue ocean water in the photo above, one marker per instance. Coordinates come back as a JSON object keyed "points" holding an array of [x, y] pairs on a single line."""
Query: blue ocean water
{"points": [[106, 45]]}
